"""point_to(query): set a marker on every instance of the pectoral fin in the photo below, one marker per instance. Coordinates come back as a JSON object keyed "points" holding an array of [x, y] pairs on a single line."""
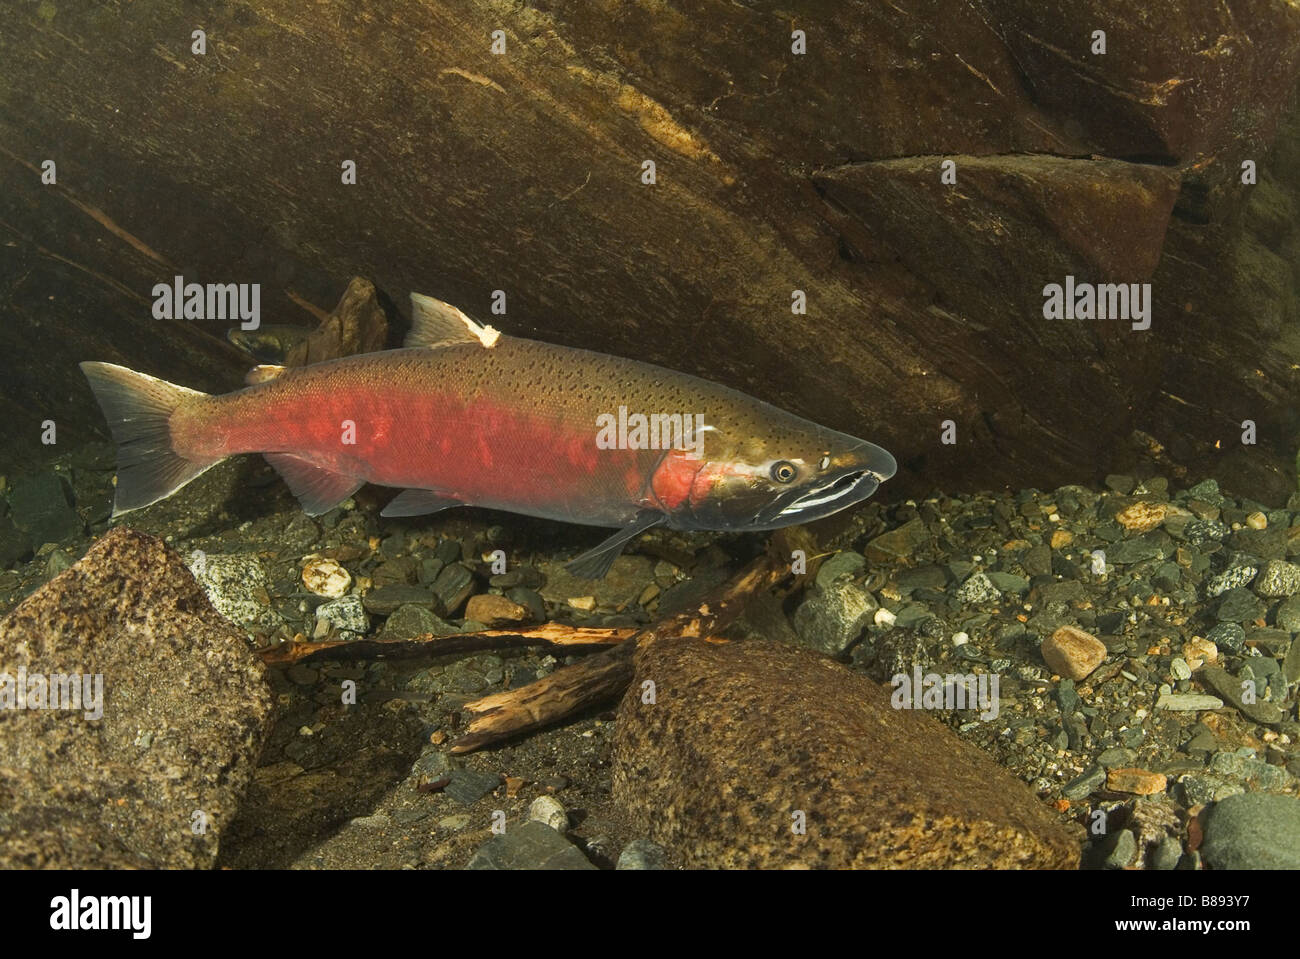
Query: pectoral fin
{"points": [[318, 490], [595, 563], [418, 502]]}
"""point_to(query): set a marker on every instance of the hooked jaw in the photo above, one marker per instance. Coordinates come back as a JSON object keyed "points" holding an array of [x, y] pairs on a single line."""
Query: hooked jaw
{"points": [[851, 477]]}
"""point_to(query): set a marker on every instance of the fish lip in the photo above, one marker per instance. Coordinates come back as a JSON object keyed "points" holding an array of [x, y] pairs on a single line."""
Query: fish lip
{"points": [[830, 496], [876, 460]]}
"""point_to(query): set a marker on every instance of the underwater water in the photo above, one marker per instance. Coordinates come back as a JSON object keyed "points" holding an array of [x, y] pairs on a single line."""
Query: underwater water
{"points": [[606, 444]]}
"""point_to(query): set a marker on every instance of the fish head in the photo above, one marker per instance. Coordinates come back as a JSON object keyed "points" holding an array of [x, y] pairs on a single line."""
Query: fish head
{"points": [[774, 475]]}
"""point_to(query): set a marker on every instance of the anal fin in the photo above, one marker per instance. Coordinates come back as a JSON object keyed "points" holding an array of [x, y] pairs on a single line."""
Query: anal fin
{"points": [[318, 490], [595, 563], [418, 502]]}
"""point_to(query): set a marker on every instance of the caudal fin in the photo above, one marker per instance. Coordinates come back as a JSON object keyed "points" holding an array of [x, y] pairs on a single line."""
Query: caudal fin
{"points": [[138, 409]]}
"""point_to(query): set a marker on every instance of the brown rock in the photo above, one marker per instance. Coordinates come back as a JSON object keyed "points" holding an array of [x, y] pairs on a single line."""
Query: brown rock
{"points": [[1142, 516], [1072, 653], [745, 740], [1139, 781], [184, 712], [493, 610], [1061, 538]]}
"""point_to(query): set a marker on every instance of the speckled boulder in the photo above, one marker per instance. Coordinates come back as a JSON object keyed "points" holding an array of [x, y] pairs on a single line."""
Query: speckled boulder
{"points": [[746, 740], [185, 708]]}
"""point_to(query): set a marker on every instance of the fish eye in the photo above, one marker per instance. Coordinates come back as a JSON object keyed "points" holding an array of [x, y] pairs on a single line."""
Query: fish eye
{"points": [[784, 471], [826, 461]]}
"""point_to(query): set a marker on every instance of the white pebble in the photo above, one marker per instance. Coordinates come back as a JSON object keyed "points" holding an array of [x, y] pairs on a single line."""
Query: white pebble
{"points": [[960, 639], [884, 617], [550, 812]]}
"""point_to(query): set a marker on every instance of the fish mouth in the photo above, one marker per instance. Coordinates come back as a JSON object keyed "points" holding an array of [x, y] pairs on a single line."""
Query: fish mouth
{"points": [[824, 498], [867, 467]]}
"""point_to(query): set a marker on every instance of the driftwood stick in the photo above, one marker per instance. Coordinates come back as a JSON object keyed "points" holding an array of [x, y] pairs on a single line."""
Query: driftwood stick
{"points": [[556, 635], [604, 677]]}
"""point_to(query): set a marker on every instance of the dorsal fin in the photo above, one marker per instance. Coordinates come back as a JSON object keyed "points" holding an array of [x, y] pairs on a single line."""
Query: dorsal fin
{"points": [[435, 323], [260, 374]]}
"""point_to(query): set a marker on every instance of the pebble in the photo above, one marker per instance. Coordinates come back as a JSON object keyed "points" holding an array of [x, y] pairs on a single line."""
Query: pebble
{"points": [[1230, 636], [345, 615], [325, 577], [1083, 785], [1253, 831], [1130, 551], [236, 585], [1257, 520], [453, 586], [1278, 579], [1186, 702], [884, 617], [1202, 532], [1141, 782], [411, 621], [584, 603], [1009, 582], [1179, 669], [1066, 697], [394, 572], [447, 551], [1233, 578], [1197, 789], [1116, 756], [1166, 854], [1256, 773], [898, 543], [1288, 614], [922, 577], [529, 846], [642, 854], [494, 610], [470, 785], [527, 576], [1117, 850], [1291, 665], [977, 591], [428, 570], [433, 770], [845, 565], [41, 506], [1229, 688], [1072, 653], [550, 812], [386, 600], [1142, 516], [531, 600], [1240, 606], [832, 617]]}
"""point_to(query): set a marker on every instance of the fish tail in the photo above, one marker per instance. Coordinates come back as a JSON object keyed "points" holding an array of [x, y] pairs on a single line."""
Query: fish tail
{"points": [[138, 408]]}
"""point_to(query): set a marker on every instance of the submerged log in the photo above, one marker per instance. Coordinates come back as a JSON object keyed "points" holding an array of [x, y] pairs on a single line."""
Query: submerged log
{"points": [[557, 636], [604, 677], [505, 150]]}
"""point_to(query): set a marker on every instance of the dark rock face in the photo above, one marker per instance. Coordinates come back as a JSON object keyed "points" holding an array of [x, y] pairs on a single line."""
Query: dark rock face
{"points": [[776, 171], [743, 737], [154, 780]]}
